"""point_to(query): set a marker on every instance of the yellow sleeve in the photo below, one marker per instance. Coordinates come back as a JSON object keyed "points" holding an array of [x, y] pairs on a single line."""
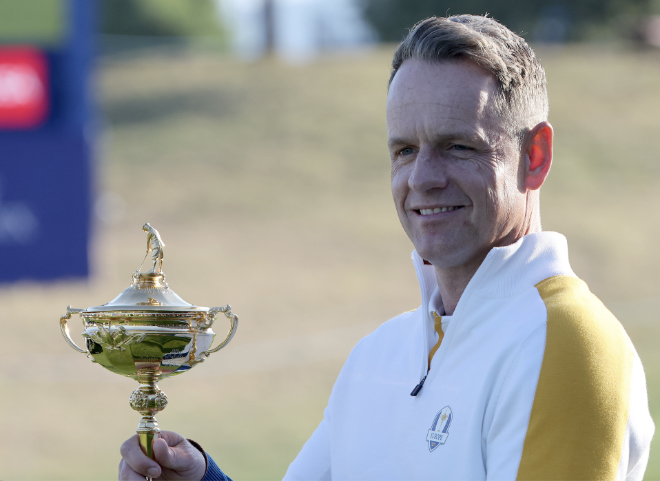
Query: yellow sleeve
{"points": [[580, 411]]}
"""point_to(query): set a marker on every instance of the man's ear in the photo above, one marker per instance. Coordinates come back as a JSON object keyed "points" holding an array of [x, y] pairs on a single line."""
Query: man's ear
{"points": [[538, 155]]}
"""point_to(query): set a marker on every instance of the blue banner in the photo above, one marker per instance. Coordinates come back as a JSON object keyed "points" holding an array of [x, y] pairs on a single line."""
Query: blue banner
{"points": [[46, 134]]}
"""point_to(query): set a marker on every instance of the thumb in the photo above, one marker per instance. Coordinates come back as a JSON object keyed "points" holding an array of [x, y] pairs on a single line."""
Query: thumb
{"points": [[168, 456], [178, 458]]}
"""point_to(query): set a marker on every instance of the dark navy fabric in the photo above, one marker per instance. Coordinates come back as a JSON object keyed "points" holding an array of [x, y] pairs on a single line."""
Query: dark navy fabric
{"points": [[213, 472]]}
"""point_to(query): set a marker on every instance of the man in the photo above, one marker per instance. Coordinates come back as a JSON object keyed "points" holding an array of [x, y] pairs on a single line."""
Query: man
{"points": [[511, 368]]}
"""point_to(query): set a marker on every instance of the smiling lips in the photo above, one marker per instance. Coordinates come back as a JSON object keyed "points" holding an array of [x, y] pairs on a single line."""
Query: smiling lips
{"points": [[438, 210]]}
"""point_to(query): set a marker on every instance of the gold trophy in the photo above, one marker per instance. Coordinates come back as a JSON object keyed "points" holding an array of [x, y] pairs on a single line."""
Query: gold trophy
{"points": [[148, 333]]}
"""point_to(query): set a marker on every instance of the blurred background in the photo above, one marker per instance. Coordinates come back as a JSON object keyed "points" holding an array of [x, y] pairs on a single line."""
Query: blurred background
{"points": [[251, 134]]}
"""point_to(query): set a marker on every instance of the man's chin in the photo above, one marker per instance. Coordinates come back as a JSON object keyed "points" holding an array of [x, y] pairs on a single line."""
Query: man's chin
{"points": [[437, 248], [447, 256], [438, 260]]}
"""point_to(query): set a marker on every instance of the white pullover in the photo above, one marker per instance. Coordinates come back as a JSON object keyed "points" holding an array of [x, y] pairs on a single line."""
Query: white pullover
{"points": [[534, 379]]}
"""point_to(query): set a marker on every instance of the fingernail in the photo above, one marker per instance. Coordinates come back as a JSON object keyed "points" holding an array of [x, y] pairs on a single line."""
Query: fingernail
{"points": [[153, 472]]}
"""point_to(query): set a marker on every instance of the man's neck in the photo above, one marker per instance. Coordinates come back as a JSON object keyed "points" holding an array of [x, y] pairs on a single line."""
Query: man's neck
{"points": [[452, 282]]}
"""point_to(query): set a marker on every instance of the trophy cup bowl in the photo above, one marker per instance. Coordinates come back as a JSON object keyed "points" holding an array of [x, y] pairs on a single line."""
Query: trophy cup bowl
{"points": [[148, 333]]}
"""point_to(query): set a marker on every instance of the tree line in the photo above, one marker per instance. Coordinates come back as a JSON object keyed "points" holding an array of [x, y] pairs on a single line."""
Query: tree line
{"points": [[534, 20]]}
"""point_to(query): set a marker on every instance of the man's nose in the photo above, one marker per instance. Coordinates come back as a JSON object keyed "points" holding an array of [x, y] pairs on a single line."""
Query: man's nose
{"points": [[429, 172]]}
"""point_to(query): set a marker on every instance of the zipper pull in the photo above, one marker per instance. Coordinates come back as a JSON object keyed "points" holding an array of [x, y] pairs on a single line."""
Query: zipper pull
{"points": [[419, 387]]}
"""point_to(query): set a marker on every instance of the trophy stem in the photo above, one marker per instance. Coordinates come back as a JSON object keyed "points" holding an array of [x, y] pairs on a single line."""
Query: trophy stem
{"points": [[148, 399], [148, 431]]}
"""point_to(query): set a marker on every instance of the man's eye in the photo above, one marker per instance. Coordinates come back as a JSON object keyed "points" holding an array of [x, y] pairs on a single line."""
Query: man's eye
{"points": [[407, 151], [459, 147]]}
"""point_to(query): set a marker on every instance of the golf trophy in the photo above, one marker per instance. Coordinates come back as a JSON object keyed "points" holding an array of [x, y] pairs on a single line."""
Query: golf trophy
{"points": [[148, 333]]}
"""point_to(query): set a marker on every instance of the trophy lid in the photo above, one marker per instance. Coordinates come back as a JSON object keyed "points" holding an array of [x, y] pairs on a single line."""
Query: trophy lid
{"points": [[149, 291]]}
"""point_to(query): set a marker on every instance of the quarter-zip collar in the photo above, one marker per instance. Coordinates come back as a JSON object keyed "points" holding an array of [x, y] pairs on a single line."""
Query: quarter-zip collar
{"points": [[504, 272]]}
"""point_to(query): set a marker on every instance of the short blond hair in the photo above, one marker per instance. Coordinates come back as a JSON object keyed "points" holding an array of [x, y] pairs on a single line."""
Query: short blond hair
{"points": [[522, 100]]}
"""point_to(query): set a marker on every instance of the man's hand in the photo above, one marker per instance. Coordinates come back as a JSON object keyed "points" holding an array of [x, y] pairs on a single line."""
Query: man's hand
{"points": [[176, 459]]}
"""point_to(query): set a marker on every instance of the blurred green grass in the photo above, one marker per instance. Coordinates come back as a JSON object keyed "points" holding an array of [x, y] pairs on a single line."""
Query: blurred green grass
{"points": [[43, 22], [270, 186]]}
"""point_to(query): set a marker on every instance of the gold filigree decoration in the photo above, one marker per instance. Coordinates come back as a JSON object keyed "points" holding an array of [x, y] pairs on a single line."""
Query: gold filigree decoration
{"points": [[114, 339], [141, 401]]}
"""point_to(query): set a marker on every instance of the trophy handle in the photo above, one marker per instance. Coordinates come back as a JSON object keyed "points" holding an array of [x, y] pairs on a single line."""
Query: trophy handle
{"points": [[65, 329], [233, 320]]}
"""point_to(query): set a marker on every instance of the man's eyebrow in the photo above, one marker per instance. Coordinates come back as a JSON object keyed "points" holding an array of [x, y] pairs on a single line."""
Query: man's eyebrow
{"points": [[398, 141], [447, 137]]}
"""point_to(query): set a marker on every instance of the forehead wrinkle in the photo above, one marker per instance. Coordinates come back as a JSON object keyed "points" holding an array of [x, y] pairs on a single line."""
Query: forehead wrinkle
{"points": [[435, 129], [479, 107]]}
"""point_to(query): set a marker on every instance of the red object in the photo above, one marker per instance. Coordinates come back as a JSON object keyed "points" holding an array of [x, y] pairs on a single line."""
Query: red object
{"points": [[24, 96]]}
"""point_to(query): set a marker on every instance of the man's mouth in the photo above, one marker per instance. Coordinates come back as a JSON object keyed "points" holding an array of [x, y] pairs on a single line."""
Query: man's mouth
{"points": [[438, 210]]}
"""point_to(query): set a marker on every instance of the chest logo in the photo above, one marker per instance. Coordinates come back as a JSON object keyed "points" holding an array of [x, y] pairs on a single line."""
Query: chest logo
{"points": [[439, 431]]}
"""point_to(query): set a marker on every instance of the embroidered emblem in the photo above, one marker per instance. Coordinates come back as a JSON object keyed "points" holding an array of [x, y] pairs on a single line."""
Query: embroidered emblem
{"points": [[439, 431]]}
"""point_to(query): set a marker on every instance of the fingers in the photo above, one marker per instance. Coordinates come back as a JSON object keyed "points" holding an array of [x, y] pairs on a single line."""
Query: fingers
{"points": [[171, 437], [165, 454], [178, 457], [127, 474], [135, 465], [170, 450]]}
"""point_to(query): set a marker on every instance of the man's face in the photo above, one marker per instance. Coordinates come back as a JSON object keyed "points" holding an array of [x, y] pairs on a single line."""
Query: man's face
{"points": [[455, 171]]}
